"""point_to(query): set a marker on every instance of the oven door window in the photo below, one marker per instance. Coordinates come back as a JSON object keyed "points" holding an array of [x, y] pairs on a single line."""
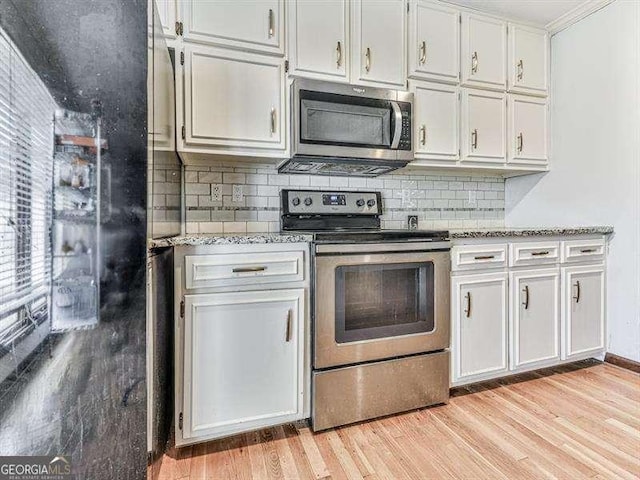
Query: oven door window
{"points": [[383, 300], [340, 120]]}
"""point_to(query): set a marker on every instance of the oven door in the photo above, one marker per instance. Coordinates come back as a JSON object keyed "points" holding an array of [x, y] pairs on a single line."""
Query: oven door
{"points": [[377, 306]]}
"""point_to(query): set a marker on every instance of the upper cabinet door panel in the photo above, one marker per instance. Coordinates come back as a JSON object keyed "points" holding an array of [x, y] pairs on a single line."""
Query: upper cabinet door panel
{"points": [[484, 51], [248, 24], [319, 39], [233, 98], [528, 60], [379, 42], [527, 136], [436, 120], [434, 32], [484, 125]]}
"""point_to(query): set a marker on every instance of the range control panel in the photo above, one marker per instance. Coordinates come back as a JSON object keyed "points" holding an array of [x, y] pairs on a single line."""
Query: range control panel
{"points": [[323, 202]]}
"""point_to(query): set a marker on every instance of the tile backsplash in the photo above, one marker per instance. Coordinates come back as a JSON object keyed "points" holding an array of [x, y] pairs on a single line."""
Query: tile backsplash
{"points": [[439, 201]]}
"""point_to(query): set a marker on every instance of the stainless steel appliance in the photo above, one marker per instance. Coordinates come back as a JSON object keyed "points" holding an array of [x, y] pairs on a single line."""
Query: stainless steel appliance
{"points": [[381, 318], [341, 129]]}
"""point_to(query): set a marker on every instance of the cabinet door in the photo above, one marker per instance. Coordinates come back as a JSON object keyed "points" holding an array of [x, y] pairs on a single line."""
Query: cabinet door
{"points": [[319, 39], [436, 120], [527, 137], [483, 126], [255, 25], [535, 316], [479, 314], [484, 51], [233, 98], [434, 32], [379, 42], [528, 60], [583, 307], [167, 12], [243, 362]]}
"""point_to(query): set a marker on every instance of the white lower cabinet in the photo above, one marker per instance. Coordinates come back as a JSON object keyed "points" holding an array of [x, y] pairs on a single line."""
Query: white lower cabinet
{"points": [[535, 317], [243, 357], [479, 309], [583, 306]]}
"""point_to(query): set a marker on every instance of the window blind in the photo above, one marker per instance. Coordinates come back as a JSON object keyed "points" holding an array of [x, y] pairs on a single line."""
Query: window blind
{"points": [[26, 166]]}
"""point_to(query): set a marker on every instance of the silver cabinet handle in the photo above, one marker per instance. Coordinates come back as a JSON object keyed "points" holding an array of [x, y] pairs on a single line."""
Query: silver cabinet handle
{"points": [[577, 297], [520, 70], [271, 23], [423, 134], [526, 297], [587, 250], [474, 138], [367, 56], [520, 142], [468, 309], [288, 334], [339, 54], [484, 257], [474, 62], [423, 52], [260, 268], [540, 254], [273, 120]]}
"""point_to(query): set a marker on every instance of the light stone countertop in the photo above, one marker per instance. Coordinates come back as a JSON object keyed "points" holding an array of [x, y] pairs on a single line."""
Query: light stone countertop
{"points": [[530, 232]]}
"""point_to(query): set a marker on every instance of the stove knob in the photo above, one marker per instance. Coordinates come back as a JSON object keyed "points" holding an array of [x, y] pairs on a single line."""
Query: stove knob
{"points": [[295, 201], [360, 202], [371, 203], [308, 201]]}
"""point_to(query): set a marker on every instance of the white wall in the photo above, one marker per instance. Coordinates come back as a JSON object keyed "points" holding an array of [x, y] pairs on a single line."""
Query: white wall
{"points": [[595, 164]]}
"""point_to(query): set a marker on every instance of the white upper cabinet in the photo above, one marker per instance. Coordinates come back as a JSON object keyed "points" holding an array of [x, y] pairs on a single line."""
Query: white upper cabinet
{"points": [[379, 42], [535, 317], [483, 51], [256, 25], [434, 45], [436, 121], [483, 126], [528, 60], [319, 39], [233, 99], [527, 137], [167, 12]]}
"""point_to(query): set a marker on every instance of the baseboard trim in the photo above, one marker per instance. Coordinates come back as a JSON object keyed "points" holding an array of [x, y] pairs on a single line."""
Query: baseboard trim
{"points": [[622, 362]]}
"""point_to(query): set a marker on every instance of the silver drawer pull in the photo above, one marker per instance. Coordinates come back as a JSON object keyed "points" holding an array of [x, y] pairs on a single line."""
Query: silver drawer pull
{"points": [[261, 268], [588, 250], [484, 257], [539, 254]]}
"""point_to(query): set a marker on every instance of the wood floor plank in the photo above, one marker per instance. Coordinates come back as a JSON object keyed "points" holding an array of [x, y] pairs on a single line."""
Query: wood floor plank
{"points": [[571, 422]]}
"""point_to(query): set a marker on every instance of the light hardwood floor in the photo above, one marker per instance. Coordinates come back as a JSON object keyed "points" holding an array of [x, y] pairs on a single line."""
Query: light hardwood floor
{"points": [[565, 423]]}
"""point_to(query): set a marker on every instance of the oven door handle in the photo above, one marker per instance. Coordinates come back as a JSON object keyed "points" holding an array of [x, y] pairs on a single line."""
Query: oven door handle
{"points": [[397, 131], [364, 248]]}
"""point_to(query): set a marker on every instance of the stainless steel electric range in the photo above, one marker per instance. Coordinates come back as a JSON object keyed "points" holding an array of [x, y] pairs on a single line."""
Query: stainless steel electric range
{"points": [[380, 316]]}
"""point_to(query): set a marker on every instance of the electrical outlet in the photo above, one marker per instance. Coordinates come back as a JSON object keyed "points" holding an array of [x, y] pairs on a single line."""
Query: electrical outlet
{"points": [[216, 193], [238, 195], [473, 198]]}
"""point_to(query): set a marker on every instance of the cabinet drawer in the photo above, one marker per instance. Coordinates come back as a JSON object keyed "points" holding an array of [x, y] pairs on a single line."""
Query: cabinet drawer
{"points": [[473, 257], [583, 250], [535, 253], [224, 270]]}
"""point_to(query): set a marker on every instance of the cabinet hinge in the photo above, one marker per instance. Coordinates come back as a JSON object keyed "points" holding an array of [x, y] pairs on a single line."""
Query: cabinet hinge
{"points": [[181, 58], [179, 28], [180, 421], [286, 66], [407, 7], [460, 19], [184, 134], [182, 309]]}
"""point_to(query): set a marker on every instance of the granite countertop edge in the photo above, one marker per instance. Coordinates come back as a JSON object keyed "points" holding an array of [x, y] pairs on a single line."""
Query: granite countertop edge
{"points": [[530, 232], [277, 237]]}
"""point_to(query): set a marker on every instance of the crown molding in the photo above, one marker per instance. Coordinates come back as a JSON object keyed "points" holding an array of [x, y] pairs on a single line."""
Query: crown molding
{"points": [[575, 15]]}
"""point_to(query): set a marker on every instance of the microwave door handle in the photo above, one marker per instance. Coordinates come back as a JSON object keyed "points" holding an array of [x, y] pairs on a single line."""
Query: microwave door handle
{"points": [[397, 131]]}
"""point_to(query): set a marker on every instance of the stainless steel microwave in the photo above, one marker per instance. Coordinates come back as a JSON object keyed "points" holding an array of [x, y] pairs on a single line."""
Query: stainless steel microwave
{"points": [[341, 129]]}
